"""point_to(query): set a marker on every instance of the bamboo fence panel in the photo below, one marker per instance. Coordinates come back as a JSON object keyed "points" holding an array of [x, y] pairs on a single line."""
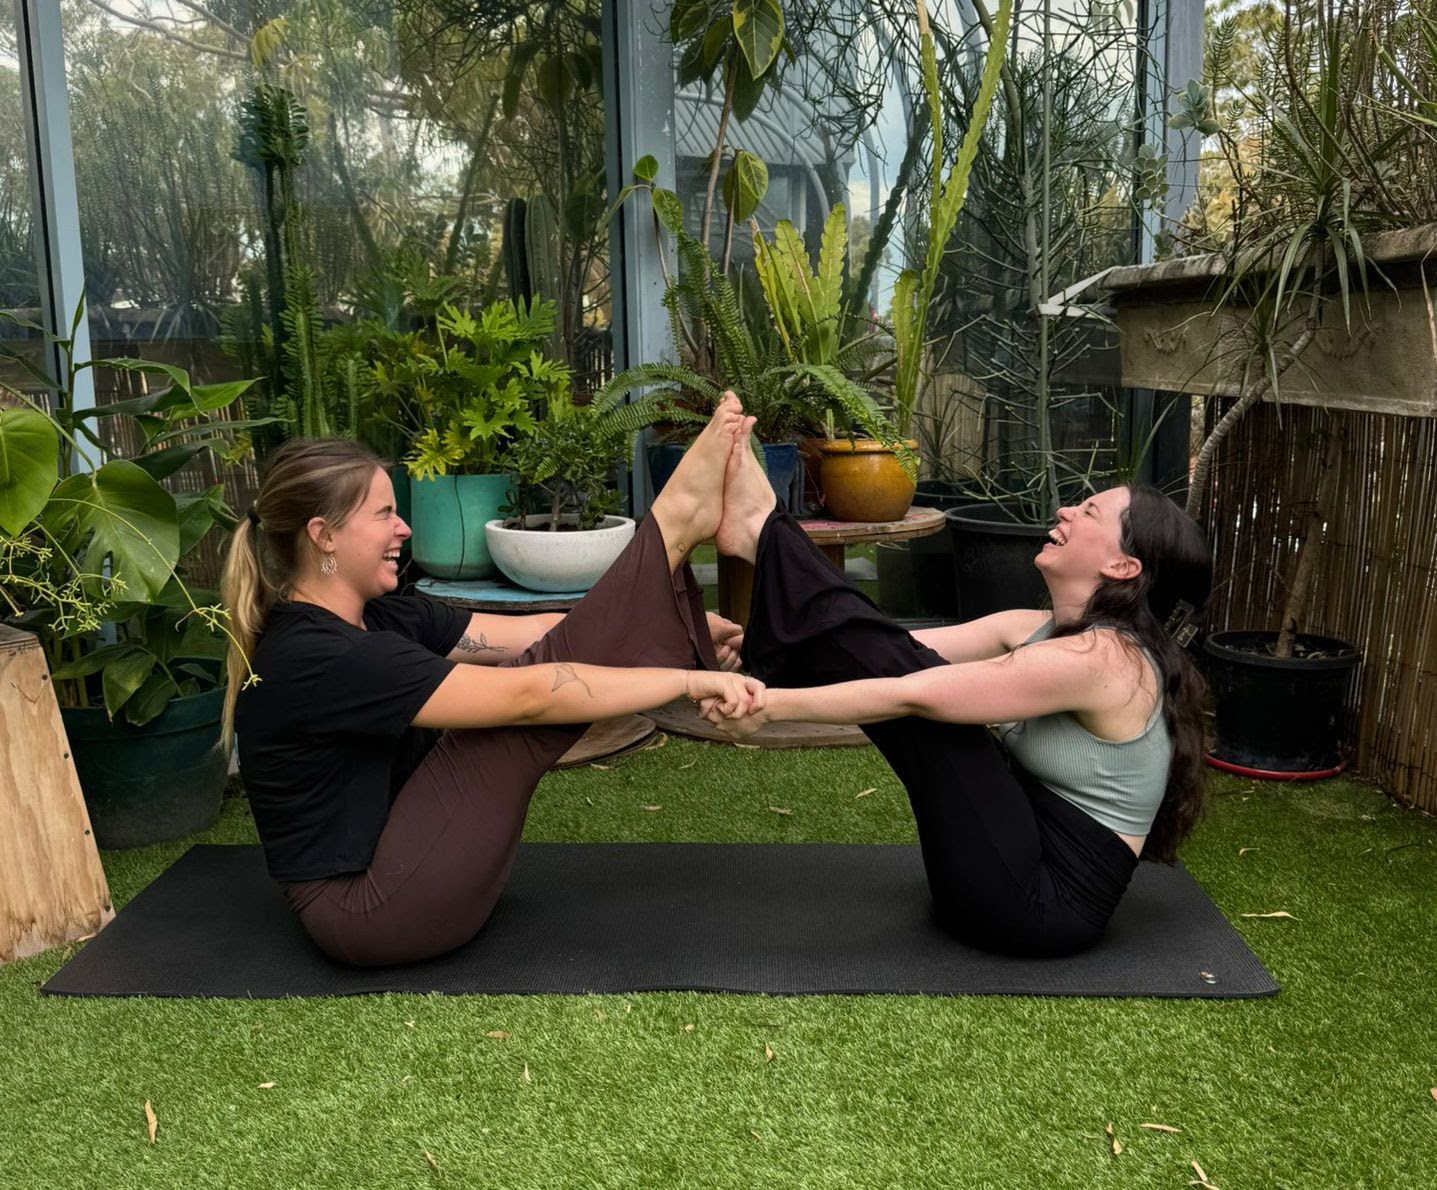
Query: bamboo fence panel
{"points": [[1377, 569]]}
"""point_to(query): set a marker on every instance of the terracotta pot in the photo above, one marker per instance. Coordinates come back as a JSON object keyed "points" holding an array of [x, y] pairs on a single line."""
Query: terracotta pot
{"points": [[863, 481]]}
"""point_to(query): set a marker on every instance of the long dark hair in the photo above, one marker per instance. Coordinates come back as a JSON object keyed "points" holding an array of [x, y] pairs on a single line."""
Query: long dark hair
{"points": [[1176, 571]]}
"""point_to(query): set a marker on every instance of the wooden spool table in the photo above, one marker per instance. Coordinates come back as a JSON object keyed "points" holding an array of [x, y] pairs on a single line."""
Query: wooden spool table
{"points": [[604, 738]]}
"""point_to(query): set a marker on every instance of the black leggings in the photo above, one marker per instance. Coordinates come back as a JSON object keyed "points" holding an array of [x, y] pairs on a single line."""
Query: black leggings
{"points": [[1011, 865]]}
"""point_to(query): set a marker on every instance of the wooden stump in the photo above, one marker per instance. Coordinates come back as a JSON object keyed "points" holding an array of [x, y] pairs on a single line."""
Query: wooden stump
{"points": [[52, 887]]}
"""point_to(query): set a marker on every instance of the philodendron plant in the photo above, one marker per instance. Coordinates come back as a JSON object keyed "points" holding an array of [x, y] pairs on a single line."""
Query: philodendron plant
{"points": [[87, 540]]}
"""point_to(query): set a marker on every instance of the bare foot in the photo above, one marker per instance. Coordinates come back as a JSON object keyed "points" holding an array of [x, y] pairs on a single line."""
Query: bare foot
{"points": [[690, 506], [747, 500]]}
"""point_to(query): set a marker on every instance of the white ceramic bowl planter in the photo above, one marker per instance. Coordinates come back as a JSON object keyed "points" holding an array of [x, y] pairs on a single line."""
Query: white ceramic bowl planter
{"points": [[568, 560]]}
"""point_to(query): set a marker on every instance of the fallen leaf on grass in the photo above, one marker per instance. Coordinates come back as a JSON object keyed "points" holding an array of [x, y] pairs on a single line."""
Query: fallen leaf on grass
{"points": [[1202, 1178], [497, 1035], [865, 792], [429, 1157], [266, 1086], [1434, 1092], [1245, 850], [151, 1122], [409, 1024], [751, 747], [1159, 1127], [688, 1028], [528, 1078], [651, 808], [754, 1134], [767, 1053], [603, 768], [779, 810], [690, 764], [1279, 913], [1116, 1143]]}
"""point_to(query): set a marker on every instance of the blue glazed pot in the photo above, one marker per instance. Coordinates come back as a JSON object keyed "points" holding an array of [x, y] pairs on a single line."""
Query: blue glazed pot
{"points": [[781, 459], [663, 458], [450, 512]]}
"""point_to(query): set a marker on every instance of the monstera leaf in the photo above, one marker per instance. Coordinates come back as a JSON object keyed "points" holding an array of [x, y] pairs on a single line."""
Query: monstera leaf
{"points": [[121, 514], [29, 461]]}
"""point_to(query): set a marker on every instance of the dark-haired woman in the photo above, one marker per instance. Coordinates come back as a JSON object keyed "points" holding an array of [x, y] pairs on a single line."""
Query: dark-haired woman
{"points": [[1029, 833], [391, 840]]}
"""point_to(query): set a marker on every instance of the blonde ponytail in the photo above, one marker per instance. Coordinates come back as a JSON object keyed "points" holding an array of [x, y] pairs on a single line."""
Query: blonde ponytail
{"points": [[307, 477]]}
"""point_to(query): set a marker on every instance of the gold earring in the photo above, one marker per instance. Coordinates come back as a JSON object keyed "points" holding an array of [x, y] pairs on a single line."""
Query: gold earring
{"points": [[328, 566]]}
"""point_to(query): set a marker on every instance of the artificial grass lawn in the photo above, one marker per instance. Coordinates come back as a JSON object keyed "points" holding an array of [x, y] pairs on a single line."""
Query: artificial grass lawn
{"points": [[1325, 1085]]}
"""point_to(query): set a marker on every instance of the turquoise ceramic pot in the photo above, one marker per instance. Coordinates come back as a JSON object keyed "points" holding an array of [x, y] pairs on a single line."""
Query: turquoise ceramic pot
{"points": [[449, 514]]}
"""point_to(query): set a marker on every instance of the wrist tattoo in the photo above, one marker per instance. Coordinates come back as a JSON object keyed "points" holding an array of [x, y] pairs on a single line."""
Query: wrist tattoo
{"points": [[467, 644], [564, 674]]}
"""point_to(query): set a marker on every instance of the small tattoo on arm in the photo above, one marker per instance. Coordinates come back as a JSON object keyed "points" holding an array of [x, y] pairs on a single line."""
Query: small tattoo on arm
{"points": [[564, 674], [467, 644]]}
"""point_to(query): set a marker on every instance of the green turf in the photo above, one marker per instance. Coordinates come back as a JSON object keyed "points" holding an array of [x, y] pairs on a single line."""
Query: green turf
{"points": [[1325, 1085]]}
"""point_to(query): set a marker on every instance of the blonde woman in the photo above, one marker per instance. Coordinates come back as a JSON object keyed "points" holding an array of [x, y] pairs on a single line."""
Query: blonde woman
{"points": [[392, 744]]}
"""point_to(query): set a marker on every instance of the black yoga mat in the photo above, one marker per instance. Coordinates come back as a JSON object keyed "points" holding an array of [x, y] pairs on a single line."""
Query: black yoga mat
{"points": [[630, 917]]}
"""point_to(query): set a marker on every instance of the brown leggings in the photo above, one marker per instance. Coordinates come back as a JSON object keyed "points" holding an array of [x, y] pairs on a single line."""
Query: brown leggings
{"points": [[448, 846]]}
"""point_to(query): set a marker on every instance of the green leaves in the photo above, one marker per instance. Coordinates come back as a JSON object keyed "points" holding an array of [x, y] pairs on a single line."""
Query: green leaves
{"points": [[758, 29], [476, 381], [914, 292], [29, 461], [121, 514], [744, 185]]}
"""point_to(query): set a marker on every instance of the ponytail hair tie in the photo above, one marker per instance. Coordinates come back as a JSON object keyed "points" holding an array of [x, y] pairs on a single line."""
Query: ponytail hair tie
{"points": [[1180, 626], [253, 516]]}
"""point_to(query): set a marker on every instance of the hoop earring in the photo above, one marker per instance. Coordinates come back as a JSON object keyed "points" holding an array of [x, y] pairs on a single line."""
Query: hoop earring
{"points": [[328, 566]]}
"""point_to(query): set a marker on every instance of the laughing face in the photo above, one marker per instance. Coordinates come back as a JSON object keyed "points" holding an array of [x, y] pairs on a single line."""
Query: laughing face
{"points": [[1087, 540], [366, 546]]}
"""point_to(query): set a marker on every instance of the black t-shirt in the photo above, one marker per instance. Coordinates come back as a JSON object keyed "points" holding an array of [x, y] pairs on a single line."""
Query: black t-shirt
{"points": [[325, 742]]}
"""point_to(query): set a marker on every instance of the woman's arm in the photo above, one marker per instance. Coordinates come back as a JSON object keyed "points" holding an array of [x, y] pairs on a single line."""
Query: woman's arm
{"points": [[568, 692], [989, 636], [491, 639], [1083, 673]]}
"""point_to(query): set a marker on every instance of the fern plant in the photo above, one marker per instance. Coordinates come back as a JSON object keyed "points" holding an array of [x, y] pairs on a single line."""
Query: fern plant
{"points": [[782, 389]]}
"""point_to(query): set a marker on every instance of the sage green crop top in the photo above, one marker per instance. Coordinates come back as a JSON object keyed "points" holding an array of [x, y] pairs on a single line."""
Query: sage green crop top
{"points": [[1119, 784]]}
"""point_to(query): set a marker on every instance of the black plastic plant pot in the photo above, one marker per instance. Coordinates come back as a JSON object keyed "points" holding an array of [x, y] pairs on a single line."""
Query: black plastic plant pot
{"points": [[154, 783], [915, 578], [993, 560], [1280, 719]]}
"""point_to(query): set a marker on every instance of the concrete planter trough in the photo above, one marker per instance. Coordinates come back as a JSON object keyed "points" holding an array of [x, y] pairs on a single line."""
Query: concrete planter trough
{"points": [[1386, 362]]}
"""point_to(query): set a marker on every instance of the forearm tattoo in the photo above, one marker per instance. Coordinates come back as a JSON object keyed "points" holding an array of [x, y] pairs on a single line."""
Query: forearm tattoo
{"points": [[564, 674], [467, 644]]}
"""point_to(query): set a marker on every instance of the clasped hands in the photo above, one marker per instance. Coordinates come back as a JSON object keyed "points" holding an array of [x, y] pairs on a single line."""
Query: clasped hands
{"points": [[733, 703]]}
